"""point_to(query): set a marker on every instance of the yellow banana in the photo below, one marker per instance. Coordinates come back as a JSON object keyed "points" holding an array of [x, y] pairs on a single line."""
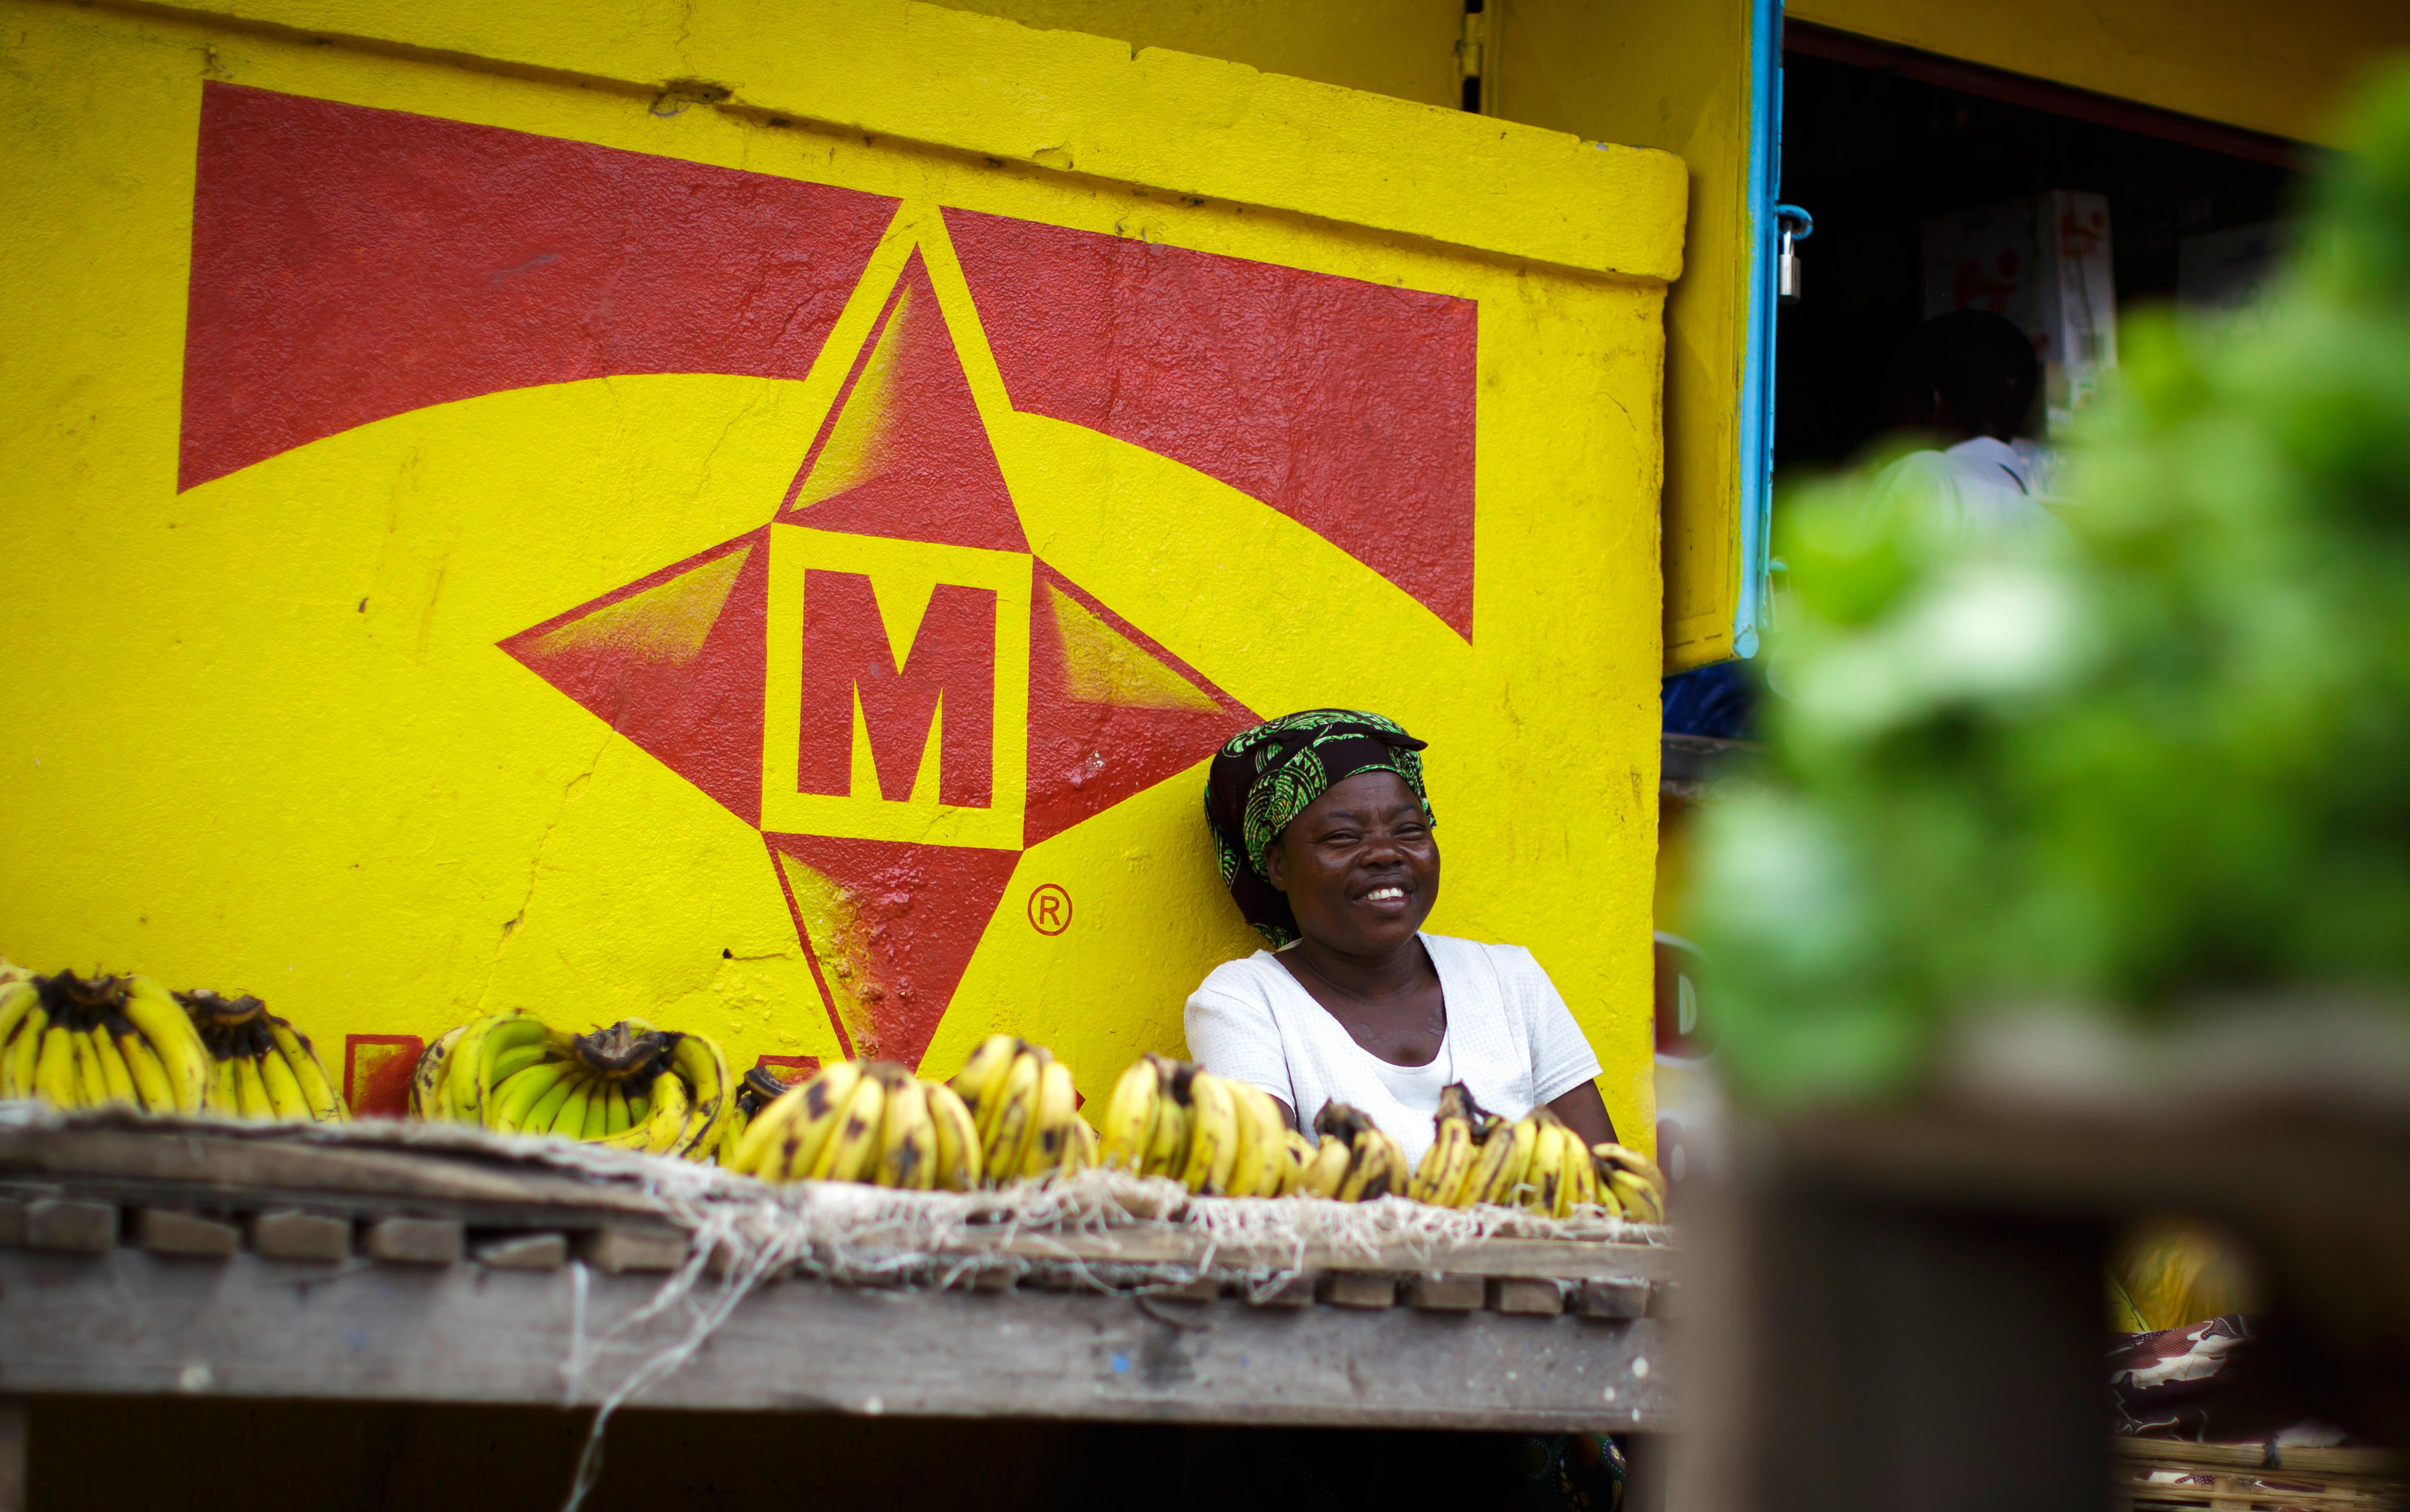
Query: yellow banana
{"points": [[1213, 1147], [520, 1096], [851, 1152], [1453, 1146], [1375, 1169], [1603, 1194], [150, 1082], [224, 1100], [697, 1061], [808, 1129], [761, 1131], [462, 1067], [1058, 1109], [1641, 1203], [426, 1078], [1016, 1117], [1632, 1160], [1167, 1139], [659, 1116], [908, 1138], [25, 1050], [1130, 1116], [164, 1021], [1327, 1169], [982, 1079], [1504, 1157], [958, 1142], [55, 1068], [1296, 1154], [516, 1058], [478, 1068], [1079, 1151], [615, 1109], [1581, 1177], [668, 1107], [283, 1088], [1444, 1167], [545, 1111], [17, 1000], [570, 1122], [598, 1111], [1547, 1172], [92, 1088], [325, 1105], [1514, 1171], [251, 1089], [1262, 1148], [114, 1074]]}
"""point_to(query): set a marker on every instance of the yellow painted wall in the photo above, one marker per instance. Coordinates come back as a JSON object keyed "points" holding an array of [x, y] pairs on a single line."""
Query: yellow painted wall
{"points": [[1405, 48], [262, 736], [1674, 77], [1667, 76], [2283, 69]]}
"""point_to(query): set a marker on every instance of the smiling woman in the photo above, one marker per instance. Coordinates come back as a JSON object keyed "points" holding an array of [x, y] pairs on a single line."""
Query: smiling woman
{"points": [[1325, 837]]}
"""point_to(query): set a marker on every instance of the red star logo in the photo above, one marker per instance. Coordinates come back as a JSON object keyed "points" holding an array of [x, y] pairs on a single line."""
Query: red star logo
{"points": [[887, 683], [884, 679]]}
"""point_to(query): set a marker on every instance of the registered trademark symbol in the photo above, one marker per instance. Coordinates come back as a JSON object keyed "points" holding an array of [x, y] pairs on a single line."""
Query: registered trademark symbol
{"points": [[1050, 910]]}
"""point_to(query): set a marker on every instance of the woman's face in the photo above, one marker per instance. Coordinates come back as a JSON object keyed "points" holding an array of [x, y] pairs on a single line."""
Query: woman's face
{"points": [[1360, 865]]}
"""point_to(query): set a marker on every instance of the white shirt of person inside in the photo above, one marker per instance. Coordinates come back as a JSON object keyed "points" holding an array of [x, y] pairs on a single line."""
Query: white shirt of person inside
{"points": [[1980, 487], [1510, 1039]]}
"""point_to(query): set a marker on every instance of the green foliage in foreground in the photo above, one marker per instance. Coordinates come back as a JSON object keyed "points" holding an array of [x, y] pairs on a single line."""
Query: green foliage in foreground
{"points": [[2166, 759]]}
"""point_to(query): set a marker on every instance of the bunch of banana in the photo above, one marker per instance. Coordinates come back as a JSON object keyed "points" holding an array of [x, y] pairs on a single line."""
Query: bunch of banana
{"points": [[631, 1086], [1218, 1137], [263, 1067], [755, 1090], [80, 1043], [1356, 1162], [865, 1121], [1535, 1162], [1629, 1182], [1027, 1110]]}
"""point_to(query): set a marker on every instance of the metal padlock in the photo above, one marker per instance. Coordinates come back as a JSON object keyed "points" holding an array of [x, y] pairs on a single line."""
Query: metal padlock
{"points": [[1793, 225]]}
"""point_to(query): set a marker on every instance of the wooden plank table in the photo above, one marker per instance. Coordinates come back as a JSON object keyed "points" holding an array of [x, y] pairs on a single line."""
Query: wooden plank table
{"points": [[127, 1322], [197, 1262]]}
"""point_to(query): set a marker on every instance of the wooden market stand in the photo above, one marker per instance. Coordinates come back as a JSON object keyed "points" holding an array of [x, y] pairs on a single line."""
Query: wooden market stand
{"points": [[182, 1263]]}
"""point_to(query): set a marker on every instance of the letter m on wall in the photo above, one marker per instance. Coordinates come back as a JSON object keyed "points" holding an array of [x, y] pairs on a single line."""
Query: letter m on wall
{"points": [[897, 691], [944, 690]]}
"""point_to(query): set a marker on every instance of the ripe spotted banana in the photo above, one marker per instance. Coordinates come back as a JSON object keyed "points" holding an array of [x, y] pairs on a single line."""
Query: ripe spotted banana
{"points": [[1007, 1141], [1130, 1116], [958, 1146], [980, 1081], [1058, 1109], [1214, 1146]]}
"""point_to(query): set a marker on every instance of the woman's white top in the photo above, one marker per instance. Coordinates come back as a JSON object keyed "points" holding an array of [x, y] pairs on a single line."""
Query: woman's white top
{"points": [[1510, 1039]]}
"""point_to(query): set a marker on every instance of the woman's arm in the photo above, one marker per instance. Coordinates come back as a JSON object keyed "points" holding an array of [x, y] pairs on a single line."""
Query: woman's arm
{"points": [[1584, 1112]]}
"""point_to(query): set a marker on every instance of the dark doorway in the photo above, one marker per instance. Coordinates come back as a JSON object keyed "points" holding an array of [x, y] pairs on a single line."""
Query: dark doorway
{"points": [[1872, 149]]}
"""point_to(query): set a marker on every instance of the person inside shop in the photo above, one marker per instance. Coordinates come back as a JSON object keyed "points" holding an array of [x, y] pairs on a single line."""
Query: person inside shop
{"points": [[1324, 835], [1970, 376]]}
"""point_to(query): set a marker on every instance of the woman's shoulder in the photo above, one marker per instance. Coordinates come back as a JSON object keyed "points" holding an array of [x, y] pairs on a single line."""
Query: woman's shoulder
{"points": [[1515, 969], [1249, 977]]}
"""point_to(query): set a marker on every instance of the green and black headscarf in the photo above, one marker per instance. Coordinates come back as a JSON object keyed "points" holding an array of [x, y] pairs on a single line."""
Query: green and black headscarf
{"points": [[1267, 775]]}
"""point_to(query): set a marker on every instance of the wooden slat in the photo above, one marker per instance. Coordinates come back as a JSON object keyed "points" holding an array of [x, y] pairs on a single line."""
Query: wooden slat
{"points": [[235, 1165], [169, 1168], [2335, 1460], [127, 1323]]}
